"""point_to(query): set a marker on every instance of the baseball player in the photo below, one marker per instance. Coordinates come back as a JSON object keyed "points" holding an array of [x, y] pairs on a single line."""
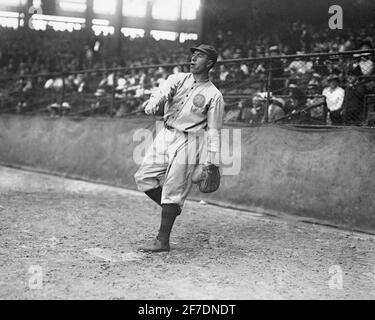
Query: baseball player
{"points": [[193, 107]]}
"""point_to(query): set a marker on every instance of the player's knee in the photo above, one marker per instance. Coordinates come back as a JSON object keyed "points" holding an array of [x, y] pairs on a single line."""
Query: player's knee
{"points": [[144, 183]]}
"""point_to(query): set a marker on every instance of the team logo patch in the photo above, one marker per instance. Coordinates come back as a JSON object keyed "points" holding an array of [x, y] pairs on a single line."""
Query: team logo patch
{"points": [[199, 101]]}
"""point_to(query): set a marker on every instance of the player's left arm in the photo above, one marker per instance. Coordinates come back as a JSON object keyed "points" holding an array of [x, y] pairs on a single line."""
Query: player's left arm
{"points": [[214, 124]]}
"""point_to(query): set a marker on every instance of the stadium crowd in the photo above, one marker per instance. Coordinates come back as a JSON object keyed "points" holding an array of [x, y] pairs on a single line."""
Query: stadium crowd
{"points": [[293, 85], [25, 51]]}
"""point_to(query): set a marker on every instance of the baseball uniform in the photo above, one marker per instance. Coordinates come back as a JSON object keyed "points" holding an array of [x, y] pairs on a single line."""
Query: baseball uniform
{"points": [[193, 116]]}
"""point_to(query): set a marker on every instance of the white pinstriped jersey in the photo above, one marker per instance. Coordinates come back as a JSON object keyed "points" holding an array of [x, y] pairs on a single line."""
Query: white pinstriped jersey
{"points": [[191, 106]]}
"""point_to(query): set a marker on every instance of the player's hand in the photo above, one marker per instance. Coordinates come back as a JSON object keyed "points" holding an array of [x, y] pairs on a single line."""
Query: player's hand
{"points": [[151, 109]]}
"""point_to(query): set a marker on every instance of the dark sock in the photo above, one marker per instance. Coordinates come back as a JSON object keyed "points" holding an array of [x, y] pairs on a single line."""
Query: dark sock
{"points": [[155, 194], [168, 216]]}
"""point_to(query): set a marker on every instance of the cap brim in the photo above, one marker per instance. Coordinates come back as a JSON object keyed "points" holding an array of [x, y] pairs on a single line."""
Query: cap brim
{"points": [[193, 49], [209, 54]]}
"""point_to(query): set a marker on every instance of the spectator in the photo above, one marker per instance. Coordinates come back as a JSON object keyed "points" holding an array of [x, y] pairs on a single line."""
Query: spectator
{"points": [[316, 104], [364, 64], [276, 109], [354, 101], [299, 66], [297, 98], [334, 99], [223, 73]]}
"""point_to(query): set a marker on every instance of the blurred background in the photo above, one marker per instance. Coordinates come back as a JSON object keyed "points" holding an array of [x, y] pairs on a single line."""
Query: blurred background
{"points": [[279, 62]]}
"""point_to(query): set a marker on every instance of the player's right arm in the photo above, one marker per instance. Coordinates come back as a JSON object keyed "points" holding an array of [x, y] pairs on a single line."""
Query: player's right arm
{"points": [[215, 116], [164, 92]]}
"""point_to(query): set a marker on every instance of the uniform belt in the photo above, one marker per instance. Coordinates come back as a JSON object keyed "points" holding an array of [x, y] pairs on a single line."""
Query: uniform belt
{"points": [[168, 127]]}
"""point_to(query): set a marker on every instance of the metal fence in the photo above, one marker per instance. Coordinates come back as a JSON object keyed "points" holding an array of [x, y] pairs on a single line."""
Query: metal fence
{"points": [[304, 89]]}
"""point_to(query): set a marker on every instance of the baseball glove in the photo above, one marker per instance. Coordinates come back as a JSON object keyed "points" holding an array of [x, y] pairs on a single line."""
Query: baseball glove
{"points": [[208, 177]]}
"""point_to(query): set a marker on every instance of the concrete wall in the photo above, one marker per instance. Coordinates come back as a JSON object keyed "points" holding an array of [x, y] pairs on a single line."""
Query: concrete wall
{"points": [[323, 174]]}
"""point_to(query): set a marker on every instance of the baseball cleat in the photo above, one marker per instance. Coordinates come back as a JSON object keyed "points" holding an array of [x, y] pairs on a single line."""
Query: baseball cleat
{"points": [[155, 245]]}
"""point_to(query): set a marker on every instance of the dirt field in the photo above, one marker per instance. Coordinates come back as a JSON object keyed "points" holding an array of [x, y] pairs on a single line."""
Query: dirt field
{"points": [[66, 239]]}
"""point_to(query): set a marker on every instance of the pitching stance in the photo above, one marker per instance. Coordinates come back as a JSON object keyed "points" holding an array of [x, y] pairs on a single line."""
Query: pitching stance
{"points": [[193, 107]]}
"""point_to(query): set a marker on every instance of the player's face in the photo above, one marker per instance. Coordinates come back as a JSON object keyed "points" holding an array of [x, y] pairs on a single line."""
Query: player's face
{"points": [[199, 63]]}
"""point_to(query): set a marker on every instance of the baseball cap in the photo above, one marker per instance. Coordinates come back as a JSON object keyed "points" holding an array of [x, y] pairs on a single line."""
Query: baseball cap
{"points": [[207, 49]]}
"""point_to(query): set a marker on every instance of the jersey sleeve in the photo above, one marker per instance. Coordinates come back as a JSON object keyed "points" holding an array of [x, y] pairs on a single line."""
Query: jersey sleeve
{"points": [[214, 124], [165, 91]]}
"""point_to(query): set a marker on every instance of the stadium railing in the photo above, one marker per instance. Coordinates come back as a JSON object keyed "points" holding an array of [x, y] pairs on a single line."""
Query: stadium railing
{"points": [[276, 89]]}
